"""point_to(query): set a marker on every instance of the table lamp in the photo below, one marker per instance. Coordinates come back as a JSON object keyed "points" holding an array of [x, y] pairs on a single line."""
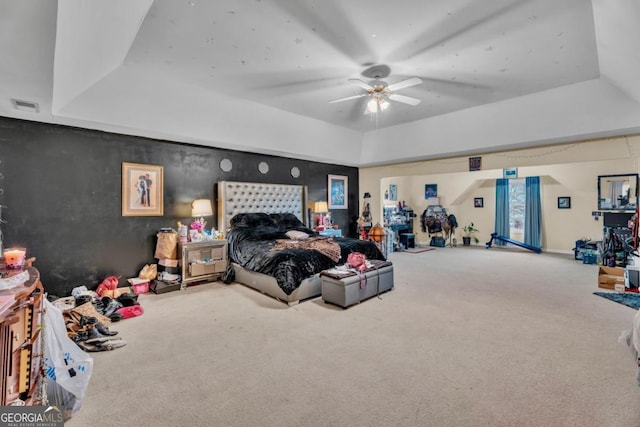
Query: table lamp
{"points": [[201, 208], [320, 208]]}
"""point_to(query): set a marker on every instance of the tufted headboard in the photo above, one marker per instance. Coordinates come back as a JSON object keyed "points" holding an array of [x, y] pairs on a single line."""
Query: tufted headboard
{"points": [[246, 197]]}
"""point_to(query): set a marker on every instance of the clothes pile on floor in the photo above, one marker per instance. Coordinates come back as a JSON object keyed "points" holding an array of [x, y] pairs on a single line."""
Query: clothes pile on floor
{"points": [[88, 315]]}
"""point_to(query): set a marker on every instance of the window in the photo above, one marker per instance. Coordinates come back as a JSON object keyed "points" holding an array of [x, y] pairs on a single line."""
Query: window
{"points": [[517, 197]]}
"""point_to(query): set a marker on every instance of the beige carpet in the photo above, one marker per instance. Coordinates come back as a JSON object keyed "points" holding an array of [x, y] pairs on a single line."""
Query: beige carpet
{"points": [[468, 337]]}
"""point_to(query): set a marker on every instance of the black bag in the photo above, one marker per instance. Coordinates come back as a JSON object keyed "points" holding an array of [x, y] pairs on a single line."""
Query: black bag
{"points": [[438, 241]]}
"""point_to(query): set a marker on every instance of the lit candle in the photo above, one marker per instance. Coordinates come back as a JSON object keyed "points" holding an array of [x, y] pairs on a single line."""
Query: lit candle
{"points": [[14, 258]]}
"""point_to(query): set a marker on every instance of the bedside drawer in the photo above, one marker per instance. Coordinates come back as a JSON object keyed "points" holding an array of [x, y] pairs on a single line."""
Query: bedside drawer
{"points": [[200, 269]]}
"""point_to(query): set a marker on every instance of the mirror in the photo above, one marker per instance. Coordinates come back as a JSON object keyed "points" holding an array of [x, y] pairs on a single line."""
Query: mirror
{"points": [[618, 192]]}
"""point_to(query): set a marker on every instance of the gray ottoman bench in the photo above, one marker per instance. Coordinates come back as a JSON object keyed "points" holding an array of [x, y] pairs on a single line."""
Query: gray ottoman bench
{"points": [[345, 288]]}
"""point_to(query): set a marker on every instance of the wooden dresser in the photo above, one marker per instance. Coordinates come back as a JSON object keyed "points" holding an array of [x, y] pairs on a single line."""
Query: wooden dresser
{"points": [[21, 345]]}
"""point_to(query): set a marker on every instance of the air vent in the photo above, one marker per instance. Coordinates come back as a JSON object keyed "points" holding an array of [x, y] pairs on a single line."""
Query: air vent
{"points": [[31, 107]]}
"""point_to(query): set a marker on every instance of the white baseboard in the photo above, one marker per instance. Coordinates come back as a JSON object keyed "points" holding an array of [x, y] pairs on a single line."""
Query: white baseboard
{"points": [[558, 251]]}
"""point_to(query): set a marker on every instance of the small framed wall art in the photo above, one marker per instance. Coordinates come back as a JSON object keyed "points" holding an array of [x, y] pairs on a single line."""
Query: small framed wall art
{"points": [[393, 192], [338, 186], [564, 202], [510, 173], [475, 163], [142, 190], [478, 202], [430, 190]]}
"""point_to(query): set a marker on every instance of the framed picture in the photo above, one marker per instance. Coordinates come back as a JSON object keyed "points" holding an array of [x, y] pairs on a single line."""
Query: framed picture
{"points": [[142, 190], [393, 192], [564, 202], [430, 190], [478, 202], [475, 163], [338, 192], [510, 173]]}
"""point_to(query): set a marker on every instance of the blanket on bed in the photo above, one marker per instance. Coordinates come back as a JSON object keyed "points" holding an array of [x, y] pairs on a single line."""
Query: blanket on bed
{"points": [[253, 236], [324, 245]]}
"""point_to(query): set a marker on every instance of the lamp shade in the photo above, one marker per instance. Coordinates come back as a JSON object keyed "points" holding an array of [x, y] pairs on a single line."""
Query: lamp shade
{"points": [[319, 207], [201, 207]]}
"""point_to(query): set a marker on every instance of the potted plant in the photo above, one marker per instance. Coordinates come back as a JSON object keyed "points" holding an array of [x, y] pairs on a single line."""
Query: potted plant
{"points": [[469, 233]]}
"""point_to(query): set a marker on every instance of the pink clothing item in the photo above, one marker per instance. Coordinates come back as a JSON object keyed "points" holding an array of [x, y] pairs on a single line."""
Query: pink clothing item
{"points": [[132, 311]]}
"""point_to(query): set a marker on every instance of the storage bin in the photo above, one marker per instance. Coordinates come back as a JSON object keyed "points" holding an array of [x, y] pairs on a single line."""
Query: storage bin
{"points": [[141, 288], [408, 240], [438, 242], [589, 257], [353, 289]]}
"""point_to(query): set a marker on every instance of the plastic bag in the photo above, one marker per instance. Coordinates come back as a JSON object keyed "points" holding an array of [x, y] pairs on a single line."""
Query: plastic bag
{"points": [[149, 272], [65, 363]]}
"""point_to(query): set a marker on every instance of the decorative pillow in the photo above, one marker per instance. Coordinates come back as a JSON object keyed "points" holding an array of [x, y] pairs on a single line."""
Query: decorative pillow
{"points": [[286, 221], [297, 235], [250, 220]]}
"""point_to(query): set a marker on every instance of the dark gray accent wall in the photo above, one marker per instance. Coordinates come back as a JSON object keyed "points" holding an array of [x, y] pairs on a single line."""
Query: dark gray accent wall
{"points": [[62, 189]]}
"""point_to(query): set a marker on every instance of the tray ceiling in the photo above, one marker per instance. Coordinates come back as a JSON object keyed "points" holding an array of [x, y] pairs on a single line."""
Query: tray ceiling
{"points": [[258, 75]]}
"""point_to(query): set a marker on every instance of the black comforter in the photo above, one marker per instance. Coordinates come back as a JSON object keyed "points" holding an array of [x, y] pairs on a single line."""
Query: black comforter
{"points": [[251, 241]]}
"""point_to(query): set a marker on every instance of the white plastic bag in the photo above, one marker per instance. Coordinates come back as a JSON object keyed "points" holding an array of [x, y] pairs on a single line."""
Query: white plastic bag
{"points": [[65, 363]]}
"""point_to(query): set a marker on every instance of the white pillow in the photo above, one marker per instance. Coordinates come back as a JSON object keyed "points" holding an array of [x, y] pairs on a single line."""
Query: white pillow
{"points": [[296, 235]]}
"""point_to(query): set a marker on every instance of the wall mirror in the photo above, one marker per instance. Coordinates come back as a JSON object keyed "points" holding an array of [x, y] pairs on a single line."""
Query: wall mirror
{"points": [[618, 192]]}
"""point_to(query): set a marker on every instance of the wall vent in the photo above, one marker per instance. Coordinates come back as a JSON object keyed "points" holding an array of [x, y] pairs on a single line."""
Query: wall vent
{"points": [[21, 105]]}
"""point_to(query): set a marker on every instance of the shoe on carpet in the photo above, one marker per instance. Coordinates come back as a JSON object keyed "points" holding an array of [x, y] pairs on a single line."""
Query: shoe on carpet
{"points": [[101, 346]]}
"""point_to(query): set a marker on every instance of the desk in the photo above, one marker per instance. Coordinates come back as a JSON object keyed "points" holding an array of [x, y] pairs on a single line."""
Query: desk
{"points": [[331, 233]]}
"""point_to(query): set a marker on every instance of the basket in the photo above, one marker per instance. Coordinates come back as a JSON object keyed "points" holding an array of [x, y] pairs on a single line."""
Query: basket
{"points": [[141, 288]]}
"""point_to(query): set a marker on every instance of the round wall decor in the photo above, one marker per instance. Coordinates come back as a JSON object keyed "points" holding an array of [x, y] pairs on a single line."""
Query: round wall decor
{"points": [[263, 167], [226, 165]]}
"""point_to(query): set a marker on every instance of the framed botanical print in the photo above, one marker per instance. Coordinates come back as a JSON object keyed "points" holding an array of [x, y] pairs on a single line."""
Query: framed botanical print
{"points": [[142, 190], [338, 187]]}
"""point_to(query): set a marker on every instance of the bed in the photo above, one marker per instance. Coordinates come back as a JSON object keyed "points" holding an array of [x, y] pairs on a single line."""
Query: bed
{"points": [[259, 221]]}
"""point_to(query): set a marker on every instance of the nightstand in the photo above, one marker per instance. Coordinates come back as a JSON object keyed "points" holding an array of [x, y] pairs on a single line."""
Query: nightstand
{"points": [[331, 233], [205, 260]]}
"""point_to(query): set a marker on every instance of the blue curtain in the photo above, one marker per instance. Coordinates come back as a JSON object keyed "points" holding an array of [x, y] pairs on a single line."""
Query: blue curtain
{"points": [[502, 209], [532, 212]]}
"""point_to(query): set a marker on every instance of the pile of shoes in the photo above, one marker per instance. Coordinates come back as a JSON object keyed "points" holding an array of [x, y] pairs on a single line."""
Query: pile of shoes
{"points": [[89, 319], [88, 316], [89, 329], [89, 333]]}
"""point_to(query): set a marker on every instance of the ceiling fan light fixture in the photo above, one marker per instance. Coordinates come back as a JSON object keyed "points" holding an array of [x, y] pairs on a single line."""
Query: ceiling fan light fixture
{"points": [[376, 104]]}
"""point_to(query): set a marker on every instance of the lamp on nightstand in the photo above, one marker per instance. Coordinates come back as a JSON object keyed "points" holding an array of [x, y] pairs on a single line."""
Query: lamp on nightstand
{"points": [[320, 208], [201, 208]]}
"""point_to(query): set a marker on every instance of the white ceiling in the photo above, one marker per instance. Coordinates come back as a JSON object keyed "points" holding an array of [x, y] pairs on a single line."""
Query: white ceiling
{"points": [[257, 75]]}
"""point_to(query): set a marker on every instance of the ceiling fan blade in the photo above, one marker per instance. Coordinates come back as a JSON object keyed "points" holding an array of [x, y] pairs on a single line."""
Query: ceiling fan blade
{"points": [[405, 83], [405, 99], [348, 98], [360, 83]]}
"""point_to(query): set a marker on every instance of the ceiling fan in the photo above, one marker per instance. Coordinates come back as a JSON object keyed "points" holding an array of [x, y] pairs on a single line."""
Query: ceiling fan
{"points": [[380, 91]]}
